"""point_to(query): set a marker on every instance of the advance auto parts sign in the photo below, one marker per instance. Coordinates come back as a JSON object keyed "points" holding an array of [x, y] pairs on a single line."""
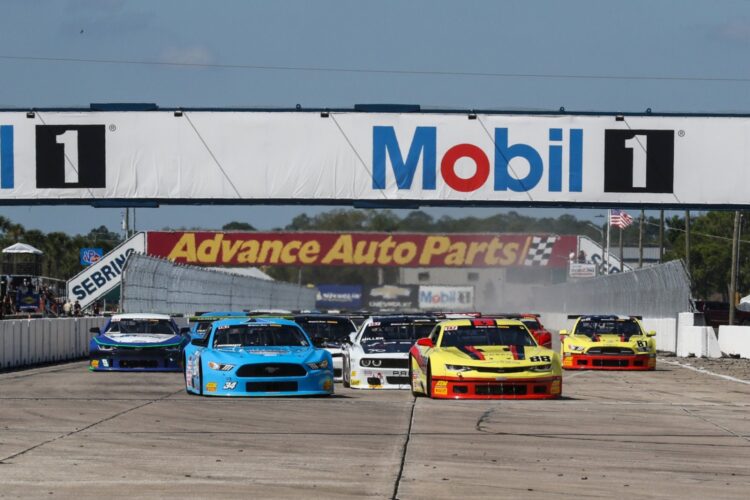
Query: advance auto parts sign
{"points": [[362, 249], [254, 157]]}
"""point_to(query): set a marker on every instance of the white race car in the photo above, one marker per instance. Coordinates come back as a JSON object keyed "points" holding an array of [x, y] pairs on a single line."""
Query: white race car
{"points": [[329, 331], [378, 356]]}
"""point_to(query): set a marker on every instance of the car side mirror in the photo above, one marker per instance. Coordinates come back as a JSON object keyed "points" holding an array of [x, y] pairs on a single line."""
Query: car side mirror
{"points": [[200, 342], [352, 337], [425, 342], [185, 330], [563, 332], [651, 333], [93, 330]]}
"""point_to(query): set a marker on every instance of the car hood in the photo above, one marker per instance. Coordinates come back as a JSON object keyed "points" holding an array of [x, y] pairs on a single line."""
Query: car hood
{"points": [[499, 354], [138, 339], [391, 347], [606, 339], [267, 354]]}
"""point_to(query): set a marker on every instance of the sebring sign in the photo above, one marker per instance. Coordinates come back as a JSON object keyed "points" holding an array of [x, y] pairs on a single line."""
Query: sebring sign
{"points": [[378, 158]]}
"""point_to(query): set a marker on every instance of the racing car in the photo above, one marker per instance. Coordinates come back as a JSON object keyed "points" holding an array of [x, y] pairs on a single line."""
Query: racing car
{"points": [[608, 343], [200, 324], [483, 358], [378, 355], [330, 332], [137, 342], [257, 357], [534, 324]]}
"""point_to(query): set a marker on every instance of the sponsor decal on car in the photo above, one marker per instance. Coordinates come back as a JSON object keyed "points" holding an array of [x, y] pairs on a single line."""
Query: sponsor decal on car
{"points": [[211, 386], [229, 385]]}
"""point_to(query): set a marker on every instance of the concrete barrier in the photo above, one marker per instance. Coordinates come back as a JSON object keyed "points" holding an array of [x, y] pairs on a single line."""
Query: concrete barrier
{"points": [[666, 332], [735, 340], [25, 342], [699, 341]]}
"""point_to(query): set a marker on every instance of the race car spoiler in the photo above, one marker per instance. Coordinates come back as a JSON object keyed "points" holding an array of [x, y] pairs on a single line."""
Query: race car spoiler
{"points": [[603, 316]]}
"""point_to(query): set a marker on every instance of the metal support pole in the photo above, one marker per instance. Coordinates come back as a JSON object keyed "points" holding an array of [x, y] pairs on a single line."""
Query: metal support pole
{"points": [[640, 242], [661, 236], [687, 243], [622, 264], [606, 260], [733, 277]]}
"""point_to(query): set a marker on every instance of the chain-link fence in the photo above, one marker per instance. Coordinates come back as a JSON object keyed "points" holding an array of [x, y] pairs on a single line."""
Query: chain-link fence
{"points": [[660, 291], [156, 285]]}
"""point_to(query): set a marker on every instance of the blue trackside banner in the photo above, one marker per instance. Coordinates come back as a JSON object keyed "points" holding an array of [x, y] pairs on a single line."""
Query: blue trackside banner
{"points": [[347, 297]]}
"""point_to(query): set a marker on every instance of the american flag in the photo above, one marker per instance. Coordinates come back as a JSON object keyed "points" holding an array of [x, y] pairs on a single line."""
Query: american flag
{"points": [[619, 218]]}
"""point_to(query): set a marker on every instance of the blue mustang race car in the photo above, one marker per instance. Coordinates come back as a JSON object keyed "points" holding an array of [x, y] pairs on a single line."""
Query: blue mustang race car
{"points": [[137, 342], [257, 357]]}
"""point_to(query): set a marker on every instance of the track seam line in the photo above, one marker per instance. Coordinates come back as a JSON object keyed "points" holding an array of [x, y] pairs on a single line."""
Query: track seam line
{"points": [[719, 426], [404, 450], [706, 372], [71, 433]]}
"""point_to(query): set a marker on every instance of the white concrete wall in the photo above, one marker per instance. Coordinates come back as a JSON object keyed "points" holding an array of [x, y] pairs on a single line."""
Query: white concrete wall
{"points": [[699, 341], [666, 332], [735, 340], [34, 341]]}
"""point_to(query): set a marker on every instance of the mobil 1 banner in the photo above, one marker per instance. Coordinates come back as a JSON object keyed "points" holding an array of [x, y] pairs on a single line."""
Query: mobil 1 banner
{"points": [[391, 298], [446, 298], [441, 158], [346, 297]]}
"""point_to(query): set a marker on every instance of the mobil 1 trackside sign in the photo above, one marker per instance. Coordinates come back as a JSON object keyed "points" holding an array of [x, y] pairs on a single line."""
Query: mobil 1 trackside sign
{"points": [[338, 157]]}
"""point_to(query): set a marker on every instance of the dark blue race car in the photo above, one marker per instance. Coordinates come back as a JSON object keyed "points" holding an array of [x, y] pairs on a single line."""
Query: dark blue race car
{"points": [[137, 342]]}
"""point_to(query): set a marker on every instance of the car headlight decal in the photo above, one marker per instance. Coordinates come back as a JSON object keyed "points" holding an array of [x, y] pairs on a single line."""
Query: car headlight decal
{"points": [[576, 348], [541, 368], [364, 362], [320, 365], [220, 366], [458, 368]]}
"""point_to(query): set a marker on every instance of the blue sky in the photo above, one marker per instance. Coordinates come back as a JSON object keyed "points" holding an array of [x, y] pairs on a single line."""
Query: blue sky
{"points": [[684, 41]]}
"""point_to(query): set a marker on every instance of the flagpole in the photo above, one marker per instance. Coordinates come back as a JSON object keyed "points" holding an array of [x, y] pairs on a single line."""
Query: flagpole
{"points": [[606, 261]]}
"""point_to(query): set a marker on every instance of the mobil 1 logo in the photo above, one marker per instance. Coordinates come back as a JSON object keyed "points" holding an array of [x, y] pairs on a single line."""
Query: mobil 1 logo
{"points": [[70, 156], [639, 161]]}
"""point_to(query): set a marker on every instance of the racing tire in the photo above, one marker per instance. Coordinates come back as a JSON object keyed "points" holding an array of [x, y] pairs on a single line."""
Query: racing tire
{"points": [[346, 374], [414, 393], [200, 378], [428, 389]]}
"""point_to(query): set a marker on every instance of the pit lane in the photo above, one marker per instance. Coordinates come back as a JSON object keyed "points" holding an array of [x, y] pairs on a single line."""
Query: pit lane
{"points": [[671, 433]]}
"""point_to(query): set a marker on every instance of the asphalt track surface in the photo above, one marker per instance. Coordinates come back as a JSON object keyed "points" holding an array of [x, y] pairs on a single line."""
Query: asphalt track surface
{"points": [[673, 433]]}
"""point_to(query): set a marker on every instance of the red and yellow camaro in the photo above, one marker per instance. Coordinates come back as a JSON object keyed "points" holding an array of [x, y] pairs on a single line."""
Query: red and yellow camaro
{"points": [[608, 343], [483, 359]]}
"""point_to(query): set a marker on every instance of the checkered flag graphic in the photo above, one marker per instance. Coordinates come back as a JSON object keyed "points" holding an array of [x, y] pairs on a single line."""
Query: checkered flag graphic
{"points": [[540, 250]]}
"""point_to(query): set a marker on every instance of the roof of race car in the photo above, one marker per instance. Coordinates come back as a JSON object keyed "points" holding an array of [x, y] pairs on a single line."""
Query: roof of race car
{"points": [[605, 317], [120, 317], [482, 322], [224, 314], [251, 321], [404, 318]]}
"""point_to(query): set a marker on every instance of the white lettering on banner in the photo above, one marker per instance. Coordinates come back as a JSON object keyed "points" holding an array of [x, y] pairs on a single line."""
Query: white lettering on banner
{"points": [[283, 156], [104, 275]]}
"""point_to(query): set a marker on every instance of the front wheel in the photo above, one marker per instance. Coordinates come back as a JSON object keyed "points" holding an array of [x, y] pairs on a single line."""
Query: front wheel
{"points": [[412, 382], [428, 391], [346, 374]]}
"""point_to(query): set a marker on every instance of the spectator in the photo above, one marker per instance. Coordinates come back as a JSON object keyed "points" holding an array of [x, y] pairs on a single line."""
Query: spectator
{"points": [[77, 309], [581, 257], [96, 309], [67, 307]]}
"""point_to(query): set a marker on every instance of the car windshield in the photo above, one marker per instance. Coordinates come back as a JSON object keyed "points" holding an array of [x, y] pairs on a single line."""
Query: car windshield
{"points": [[203, 326], [469, 335], [404, 331], [622, 327], [531, 323], [142, 326], [259, 336], [333, 329]]}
